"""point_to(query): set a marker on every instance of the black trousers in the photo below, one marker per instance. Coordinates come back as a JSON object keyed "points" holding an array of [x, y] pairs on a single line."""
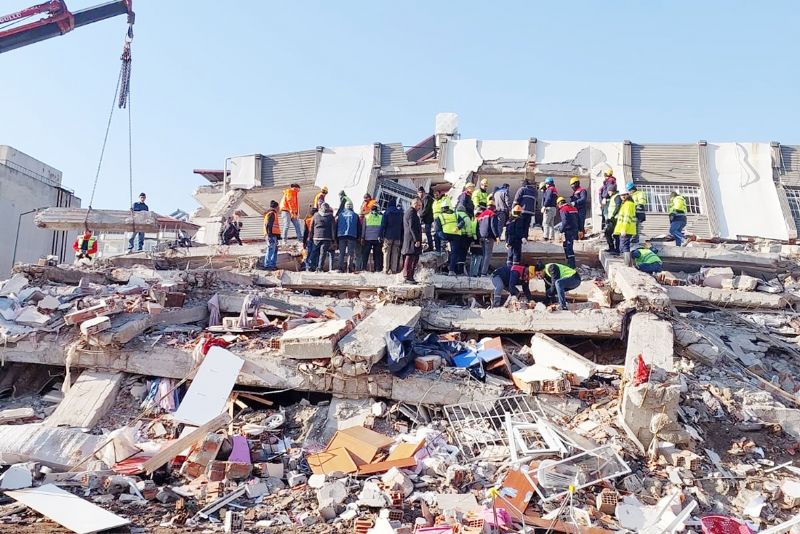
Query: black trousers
{"points": [[569, 253]]}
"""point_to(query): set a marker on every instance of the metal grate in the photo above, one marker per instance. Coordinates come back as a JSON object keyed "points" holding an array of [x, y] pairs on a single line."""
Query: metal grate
{"points": [[793, 197], [479, 428], [389, 191], [658, 197]]}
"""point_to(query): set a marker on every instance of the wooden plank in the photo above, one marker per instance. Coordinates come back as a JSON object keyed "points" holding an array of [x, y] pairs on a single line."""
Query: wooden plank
{"points": [[87, 400], [184, 442], [106, 220], [68, 510]]}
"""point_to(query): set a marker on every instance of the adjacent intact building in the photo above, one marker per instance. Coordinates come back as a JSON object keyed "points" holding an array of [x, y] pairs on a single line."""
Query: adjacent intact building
{"points": [[733, 190], [26, 186]]}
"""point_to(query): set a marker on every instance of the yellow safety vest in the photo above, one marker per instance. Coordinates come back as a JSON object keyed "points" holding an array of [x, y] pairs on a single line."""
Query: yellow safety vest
{"points": [[626, 219], [439, 203], [677, 205], [564, 271], [639, 198], [449, 222], [611, 207], [479, 196]]}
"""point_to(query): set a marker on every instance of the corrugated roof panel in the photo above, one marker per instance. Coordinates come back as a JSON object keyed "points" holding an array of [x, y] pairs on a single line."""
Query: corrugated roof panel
{"points": [[656, 163], [393, 154], [278, 170], [789, 168]]}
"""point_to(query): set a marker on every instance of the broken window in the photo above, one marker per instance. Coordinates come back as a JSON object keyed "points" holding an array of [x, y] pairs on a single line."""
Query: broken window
{"points": [[793, 197], [389, 191], [658, 197]]}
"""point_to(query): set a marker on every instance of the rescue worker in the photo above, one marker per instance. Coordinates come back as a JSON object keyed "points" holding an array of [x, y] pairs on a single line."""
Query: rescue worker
{"points": [[466, 224], [464, 202], [366, 206], [412, 240], [516, 232], [539, 216], [319, 198], [569, 227], [138, 206], [625, 227], [558, 279], [605, 192], [452, 225], [580, 200], [610, 209], [85, 247], [439, 200], [526, 198], [549, 208], [308, 243], [272, 232], [392, 236], [677, 217], [488, 234], [233, 227], [323, 234], [347, 234], [508, 278], [647, 261], [343, 199], [371, 236], [640, 200], [502, 206], [426, 216], [481, 195], [290, 212]]}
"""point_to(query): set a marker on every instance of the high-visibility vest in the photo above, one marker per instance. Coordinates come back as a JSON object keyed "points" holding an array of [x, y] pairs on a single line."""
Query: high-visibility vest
{"points": [[366, 206], [276, 227], [373, 219], [470, 227], [564, 271], [478, 196], [677, 205], [612, 207], [449, 222], [639, 198], [646, 257], [91, 244], [439, 203], [289, 201], [626, 219]]}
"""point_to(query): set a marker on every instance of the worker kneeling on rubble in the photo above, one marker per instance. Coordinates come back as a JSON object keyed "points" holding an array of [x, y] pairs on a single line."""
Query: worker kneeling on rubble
{"points": [[85, 247], [558, 279], [508, 277], [647, 261]]}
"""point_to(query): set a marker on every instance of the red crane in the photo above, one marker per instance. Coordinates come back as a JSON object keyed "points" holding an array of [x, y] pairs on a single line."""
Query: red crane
{"points": [[58, 20]]}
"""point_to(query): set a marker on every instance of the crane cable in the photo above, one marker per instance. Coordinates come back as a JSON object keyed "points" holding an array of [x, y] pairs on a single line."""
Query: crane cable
{"points": [[122, 89]]}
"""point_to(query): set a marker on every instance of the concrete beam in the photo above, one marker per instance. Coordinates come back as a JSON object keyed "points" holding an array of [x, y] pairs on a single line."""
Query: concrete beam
{"points": [[128, 326], [210, 256], [364, 281], [637, 287], [533, 251], [726, 298], [366, 344], [589, 323], [314, 340], [675, 258], [89, 398], [96, 220], [587, 291]]}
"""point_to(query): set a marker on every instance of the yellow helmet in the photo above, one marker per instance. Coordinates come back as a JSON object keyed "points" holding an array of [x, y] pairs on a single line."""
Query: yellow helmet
{"points": [[484, 182], [469, 186], [608, 172], [560, 200], [531, 272], [324, 188], [574, 180], [516, 210]]}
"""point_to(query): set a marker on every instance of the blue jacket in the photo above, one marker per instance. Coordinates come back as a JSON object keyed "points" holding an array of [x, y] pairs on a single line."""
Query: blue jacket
{"points": [[392, 224], [347, 224], [516, 231], [549, 197], [569, 218], [140, 206], [580, 199], [526, 197], [488, 227]]}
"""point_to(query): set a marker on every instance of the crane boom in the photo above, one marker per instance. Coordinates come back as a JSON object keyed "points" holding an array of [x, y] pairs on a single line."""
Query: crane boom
{"points": [[59, 20]]}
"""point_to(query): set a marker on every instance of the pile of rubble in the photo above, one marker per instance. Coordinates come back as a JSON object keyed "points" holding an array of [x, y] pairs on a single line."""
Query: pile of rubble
{"points": [[236, 400]]}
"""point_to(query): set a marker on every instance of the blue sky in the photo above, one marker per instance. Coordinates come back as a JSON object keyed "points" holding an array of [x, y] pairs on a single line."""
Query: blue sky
{"points": [[213, 79]]}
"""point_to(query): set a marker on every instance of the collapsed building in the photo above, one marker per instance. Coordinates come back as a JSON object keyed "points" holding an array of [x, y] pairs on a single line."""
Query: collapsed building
{"points": [[188, 389]]}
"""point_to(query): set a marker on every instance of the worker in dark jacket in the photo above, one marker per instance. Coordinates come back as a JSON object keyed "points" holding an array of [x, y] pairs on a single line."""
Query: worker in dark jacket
{"points": [[371, 236], [549, 208], [502, 206], [569, 228], [580, 200], [516, 233], [426, 216], [348, 227], [558, 279], [392, 236], [508, 278], [308, 243], [412, 240], [488, 234], [323, 235], [138, 206], [464, 203], [526, 198], [232, 229]]}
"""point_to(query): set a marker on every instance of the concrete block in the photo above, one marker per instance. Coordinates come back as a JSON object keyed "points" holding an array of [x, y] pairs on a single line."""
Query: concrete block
{"points": [[295, 479], [714, 276], [550, 353], [314, 340], [366, 342], [95, 325]]}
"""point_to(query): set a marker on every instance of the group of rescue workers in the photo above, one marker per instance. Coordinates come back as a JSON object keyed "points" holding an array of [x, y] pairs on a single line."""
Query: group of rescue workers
{"points": [[391, 240]]}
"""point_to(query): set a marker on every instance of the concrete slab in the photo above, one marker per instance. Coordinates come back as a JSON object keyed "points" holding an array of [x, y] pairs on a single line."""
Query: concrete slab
{"points": [[107, 220], [726, 298], [366, 343], [314, 340], [639, 288], [87, 401]]}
